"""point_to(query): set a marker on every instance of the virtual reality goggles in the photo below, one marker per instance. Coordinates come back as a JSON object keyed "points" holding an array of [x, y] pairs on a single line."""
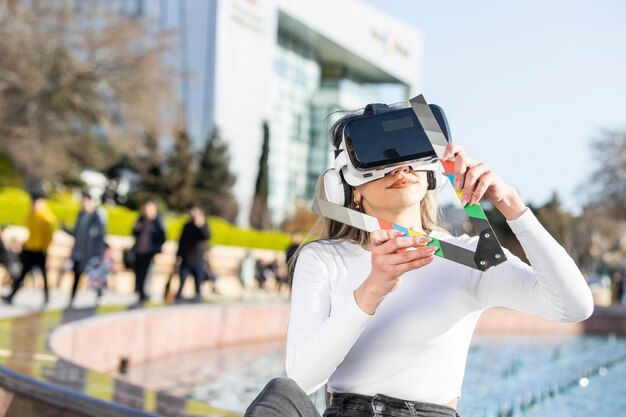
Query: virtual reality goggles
{"points": [[385, 139]]}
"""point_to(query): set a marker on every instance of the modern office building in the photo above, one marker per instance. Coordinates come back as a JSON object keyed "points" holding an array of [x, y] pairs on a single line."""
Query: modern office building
{"points": [[290, 63]]}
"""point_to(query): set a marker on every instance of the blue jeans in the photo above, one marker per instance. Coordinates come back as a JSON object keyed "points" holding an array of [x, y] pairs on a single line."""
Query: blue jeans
{"points": [[194, 268], [283, 397]]}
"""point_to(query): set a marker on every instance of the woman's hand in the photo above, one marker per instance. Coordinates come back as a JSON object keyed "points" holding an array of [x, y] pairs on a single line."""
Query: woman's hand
{"points": [[391, 258], [478, 180]]}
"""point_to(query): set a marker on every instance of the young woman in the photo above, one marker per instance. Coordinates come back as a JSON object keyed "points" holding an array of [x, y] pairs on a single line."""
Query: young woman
{"points": [[386, 326]]}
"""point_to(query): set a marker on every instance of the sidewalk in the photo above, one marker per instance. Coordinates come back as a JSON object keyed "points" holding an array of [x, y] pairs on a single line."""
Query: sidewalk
{"points": [[28, 300]]}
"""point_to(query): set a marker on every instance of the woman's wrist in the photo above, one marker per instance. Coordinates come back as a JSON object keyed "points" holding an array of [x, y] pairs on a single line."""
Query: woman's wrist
{"points": [[368, 297], [511, 206]]}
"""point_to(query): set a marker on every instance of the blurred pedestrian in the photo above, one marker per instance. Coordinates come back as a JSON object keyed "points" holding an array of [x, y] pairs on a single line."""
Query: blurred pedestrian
{"points": [[296, 241], [618, 288], [282, 276], [9, 256], [169, 296], [192, 248], [88, 233], [40, 224], [98, 269], [209, 275], [265, 271], [149, 236], [259, 274], [247, 271]]}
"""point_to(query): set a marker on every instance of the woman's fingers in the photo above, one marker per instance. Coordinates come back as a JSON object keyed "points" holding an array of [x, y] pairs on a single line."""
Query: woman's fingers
{"points": [[461, 165], [396, 264], [391, 257], [417, 263], [408, 256], [389, 251], [453, 150], [399, 243], [475, 181], [486, 180], [459, 173], [379, 237]]}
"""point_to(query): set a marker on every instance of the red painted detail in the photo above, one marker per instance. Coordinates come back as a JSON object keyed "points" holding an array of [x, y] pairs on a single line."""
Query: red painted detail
{"points": [[385, 225], [448, 166]]}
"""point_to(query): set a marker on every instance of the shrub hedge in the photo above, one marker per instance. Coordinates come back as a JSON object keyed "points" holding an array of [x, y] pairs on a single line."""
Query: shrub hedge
{"points": [[15, 202]]}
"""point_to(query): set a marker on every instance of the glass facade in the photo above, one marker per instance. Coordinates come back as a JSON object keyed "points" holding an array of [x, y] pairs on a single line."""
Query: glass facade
{"points": [[297, 76], [308, 96]]}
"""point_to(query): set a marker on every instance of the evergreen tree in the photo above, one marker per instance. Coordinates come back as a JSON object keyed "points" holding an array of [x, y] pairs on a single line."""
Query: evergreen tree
{"points": [[180, 177], [214, 180], [149, 165], [259, 213]]}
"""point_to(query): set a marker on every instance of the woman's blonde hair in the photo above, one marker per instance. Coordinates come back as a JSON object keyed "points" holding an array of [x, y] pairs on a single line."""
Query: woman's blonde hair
{"points": [[326, 229]]}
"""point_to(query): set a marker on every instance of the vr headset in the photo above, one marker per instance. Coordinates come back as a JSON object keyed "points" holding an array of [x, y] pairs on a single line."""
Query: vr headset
{"points": [[379, 142]]}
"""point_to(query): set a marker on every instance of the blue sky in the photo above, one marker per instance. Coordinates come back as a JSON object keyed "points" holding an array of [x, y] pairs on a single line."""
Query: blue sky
{"points": [[526, 85]]}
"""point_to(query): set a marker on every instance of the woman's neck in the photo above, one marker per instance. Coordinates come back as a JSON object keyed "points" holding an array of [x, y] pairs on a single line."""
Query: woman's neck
{"points": [[411, 217]]}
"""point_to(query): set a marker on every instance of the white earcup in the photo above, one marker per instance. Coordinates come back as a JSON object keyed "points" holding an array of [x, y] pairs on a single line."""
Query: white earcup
{"points": [[334, 187]]}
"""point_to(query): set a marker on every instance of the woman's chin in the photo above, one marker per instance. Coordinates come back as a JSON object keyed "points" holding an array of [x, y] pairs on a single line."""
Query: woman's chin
{"points": [[405, 196], [400, 204]]}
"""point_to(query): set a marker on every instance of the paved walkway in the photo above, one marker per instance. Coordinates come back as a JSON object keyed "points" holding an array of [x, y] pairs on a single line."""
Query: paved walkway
{"points": [[29, 300]]}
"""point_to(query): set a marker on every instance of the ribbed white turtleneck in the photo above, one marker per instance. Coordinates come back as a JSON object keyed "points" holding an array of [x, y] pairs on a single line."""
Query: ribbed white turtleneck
{"points": [[415, 346]]}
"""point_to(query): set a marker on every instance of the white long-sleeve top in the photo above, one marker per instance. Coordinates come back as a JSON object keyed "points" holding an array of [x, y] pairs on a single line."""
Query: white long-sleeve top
{"points": [[415, 345]]}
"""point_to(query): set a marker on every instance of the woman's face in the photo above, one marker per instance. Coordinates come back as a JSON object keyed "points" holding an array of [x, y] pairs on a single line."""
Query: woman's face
{"points": [[396, 191]]}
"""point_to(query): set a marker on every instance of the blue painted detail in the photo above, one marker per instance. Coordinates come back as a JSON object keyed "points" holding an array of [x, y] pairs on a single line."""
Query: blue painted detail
{"points": [[401, 229]]}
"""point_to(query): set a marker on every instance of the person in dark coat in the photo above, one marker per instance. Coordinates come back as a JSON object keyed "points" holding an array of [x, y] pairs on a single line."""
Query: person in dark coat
{"points": [[88, 233], [192, 248], [149, 236]]}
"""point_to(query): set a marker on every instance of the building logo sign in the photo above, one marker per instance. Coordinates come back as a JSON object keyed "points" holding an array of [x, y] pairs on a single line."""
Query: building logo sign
{"points": [[389, 42], [246, 14]]}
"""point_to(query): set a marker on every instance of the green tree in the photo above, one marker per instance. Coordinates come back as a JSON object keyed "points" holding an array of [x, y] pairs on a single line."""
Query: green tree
{"points": [[259, 213], [214, 180], [149, 165], [180, 177], [9, 177]]}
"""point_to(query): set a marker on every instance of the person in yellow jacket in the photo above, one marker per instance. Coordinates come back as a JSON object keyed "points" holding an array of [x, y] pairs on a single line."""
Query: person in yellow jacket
{"points": [[40, 224]]}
